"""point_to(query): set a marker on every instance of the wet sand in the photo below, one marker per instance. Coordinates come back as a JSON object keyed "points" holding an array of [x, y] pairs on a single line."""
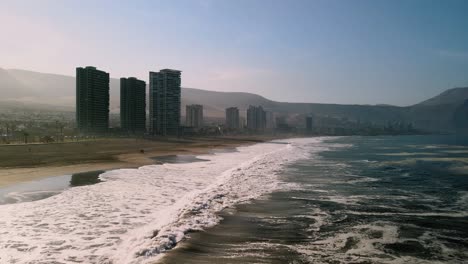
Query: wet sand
{"points": [[21, 163], [16, 175]]}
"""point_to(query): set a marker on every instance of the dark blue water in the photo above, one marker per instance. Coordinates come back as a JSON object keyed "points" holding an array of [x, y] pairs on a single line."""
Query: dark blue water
{"points": [[360, 200]]}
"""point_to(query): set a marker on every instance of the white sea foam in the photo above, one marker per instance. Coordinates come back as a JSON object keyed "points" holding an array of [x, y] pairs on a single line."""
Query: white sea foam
{"points": [[463, 200], [363, 243], [362, 179], [443, 214], [136, 214], [339, 199], [366, 243], [351, 245]]}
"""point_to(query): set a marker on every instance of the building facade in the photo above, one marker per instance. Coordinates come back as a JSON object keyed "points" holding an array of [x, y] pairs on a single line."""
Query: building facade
{"points": [[194, 116], [270, 120], [256, 119], [132, 105], [232, 118], [309, 124], [92, 100], [164, 108]]}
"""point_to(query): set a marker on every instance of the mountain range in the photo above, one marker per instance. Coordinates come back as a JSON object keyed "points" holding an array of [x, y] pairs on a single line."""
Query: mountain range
{"points": [[443, 113]]}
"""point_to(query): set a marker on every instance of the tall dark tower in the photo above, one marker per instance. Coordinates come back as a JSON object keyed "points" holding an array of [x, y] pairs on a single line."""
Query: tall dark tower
{"points": [[164, 108], [92, 100], [309, 124], [133, 105], [232, 118], [256, 119]]}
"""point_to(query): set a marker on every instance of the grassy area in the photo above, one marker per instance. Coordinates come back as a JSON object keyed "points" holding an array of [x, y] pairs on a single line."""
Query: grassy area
{"points": [[105, 150]]}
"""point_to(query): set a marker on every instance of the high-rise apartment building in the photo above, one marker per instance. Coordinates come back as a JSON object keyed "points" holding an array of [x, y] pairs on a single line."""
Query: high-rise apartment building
{"points": [[232, 118], [256, 119], [92, 100], [164, 108], [132, 105], [309, 124], [270, 120], [194, 116]]}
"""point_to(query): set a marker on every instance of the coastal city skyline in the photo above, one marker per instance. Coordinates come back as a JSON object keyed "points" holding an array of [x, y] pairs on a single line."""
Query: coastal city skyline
{"points": [[156, 110], [164, 90], [233, 131]]}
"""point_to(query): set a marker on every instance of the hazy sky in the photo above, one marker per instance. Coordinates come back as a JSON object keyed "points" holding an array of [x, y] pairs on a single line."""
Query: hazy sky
{"points": [[350, 51]]}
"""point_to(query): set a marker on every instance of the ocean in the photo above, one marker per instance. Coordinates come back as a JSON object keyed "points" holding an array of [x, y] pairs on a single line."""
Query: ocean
{"points": [[401, 199]]}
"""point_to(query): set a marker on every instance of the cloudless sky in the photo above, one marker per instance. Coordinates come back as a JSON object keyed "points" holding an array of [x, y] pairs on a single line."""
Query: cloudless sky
{"points": [[348, 51]]}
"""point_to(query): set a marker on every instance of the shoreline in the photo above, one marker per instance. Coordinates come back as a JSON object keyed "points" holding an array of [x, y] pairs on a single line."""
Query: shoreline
{"points": [[127, 158], [158, 202]]}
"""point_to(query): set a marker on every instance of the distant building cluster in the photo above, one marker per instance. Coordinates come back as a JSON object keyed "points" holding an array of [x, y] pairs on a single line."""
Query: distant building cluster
{"points": [[164, 117], [92, 102], [157, 112]]}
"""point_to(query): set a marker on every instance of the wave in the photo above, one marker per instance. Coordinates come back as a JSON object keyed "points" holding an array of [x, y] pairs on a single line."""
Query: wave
{"points": [[381, 242], [362, 179], [18, 197], [428, 214], [136, 214]]}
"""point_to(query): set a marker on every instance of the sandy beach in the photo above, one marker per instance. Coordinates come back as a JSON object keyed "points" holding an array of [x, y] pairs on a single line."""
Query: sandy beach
{"points": [[20, 163], [134, 214]]}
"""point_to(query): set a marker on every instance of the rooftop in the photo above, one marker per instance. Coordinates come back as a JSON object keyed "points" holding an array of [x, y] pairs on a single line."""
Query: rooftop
{"points": [[170, 70]]}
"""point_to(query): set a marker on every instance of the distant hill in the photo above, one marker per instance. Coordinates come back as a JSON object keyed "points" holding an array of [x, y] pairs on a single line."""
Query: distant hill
{"points": [[59, 90], [55, 91], [46, 88], [438, 113], [460, 117], [454, 96], [11, 87]]}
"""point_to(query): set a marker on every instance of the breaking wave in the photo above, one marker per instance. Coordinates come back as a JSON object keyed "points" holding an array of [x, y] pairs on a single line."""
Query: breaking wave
{"points": [[136, 214]]}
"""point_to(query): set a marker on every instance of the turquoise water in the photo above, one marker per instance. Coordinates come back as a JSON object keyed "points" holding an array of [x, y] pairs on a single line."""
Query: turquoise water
{"points": [[360, 200]]}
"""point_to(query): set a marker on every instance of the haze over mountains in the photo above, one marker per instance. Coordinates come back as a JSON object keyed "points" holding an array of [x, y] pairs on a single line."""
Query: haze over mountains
{"points": [[444, 112]]}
